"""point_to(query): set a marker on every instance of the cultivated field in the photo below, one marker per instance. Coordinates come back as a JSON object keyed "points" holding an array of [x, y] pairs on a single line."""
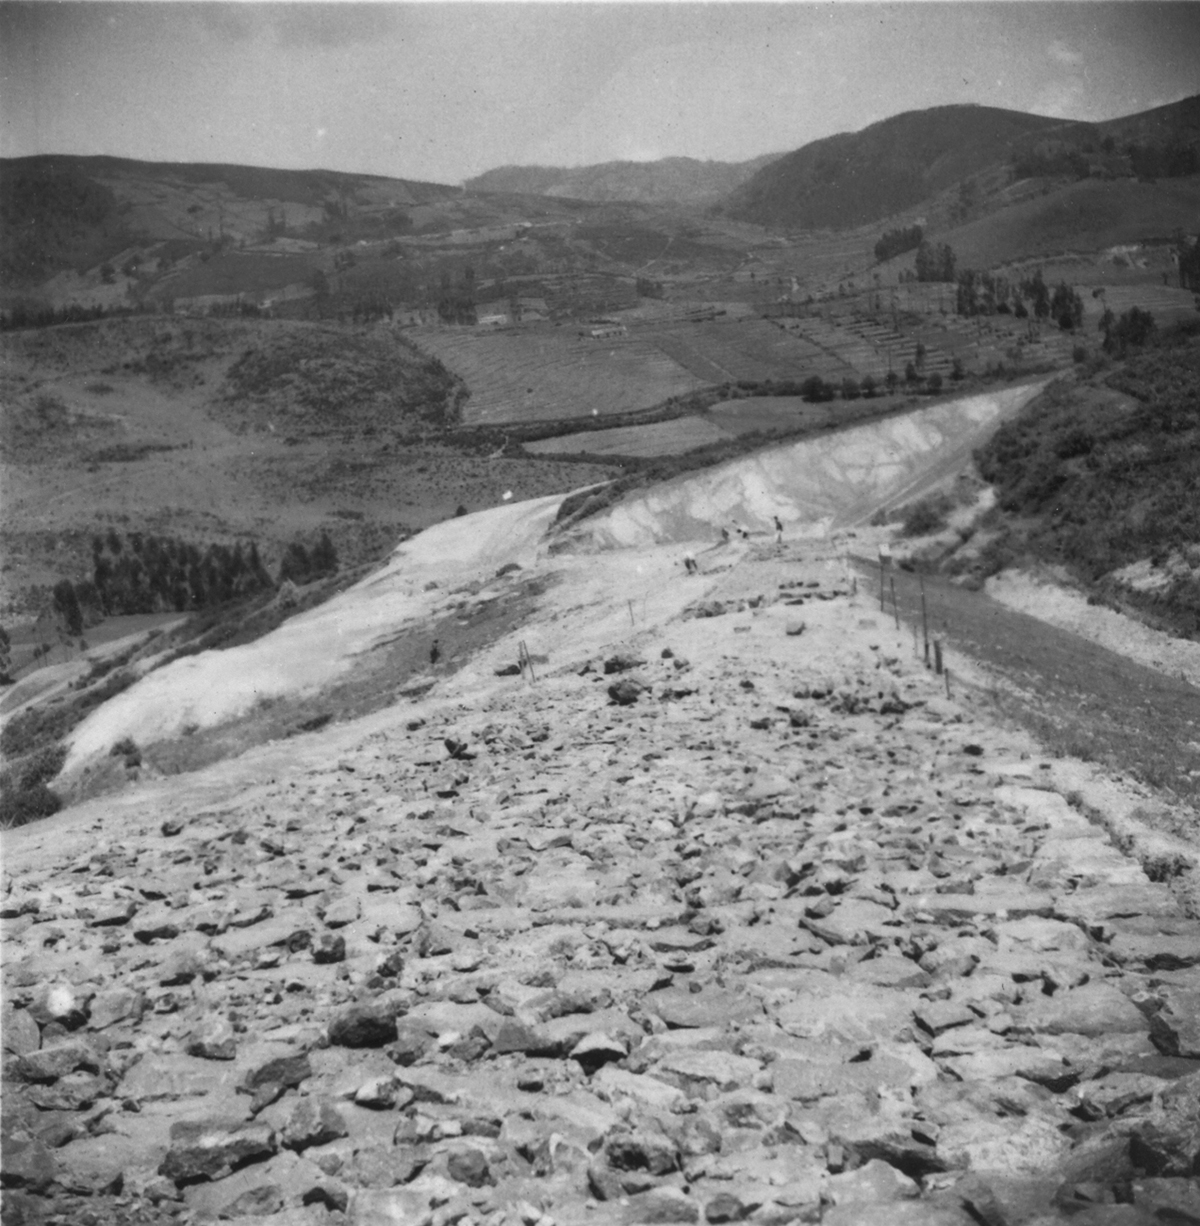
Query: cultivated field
{"points": [[655, 439], [544, 373], [730, 419], [721, 350]]}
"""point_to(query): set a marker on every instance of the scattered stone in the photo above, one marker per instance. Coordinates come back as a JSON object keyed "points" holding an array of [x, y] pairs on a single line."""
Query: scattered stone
{"points": [[627, 691], [368, 1024], [211, 1148], [1175, 1026], [313, 1121], [514, 957], [213, 1039]]}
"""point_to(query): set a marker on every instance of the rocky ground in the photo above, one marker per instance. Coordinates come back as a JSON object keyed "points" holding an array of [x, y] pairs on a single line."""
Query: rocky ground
{"points": [[736, 917]]}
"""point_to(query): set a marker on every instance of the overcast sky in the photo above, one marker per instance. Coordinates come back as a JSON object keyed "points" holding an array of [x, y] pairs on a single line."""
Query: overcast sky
{"points": [[444, 90]]}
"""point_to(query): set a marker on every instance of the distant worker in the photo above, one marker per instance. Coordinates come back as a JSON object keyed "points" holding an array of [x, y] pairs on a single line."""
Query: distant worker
{"points": [[435, 653], [724, 536], [689, 564], [778, 530]]}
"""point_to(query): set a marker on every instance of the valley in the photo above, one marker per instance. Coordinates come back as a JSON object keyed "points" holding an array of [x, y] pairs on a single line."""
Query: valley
{"points": [[469, 757]]}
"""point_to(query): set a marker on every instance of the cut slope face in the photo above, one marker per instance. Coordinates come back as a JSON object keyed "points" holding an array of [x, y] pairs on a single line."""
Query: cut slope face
{"points": [[316, 648], [838, 480]]}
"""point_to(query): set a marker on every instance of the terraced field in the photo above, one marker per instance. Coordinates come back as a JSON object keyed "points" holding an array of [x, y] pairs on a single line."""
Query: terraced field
{"points": [[1166, 303], [539, 374], [752, 349]]}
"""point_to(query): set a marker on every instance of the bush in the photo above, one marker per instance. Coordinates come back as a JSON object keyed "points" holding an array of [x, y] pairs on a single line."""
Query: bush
{"points": [[926, 515], [24, 796]]}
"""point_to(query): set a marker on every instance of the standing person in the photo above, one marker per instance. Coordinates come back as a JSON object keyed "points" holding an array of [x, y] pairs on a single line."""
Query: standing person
{"points": [[778, 530], [724, 536], [435, 653], [689, 563]]}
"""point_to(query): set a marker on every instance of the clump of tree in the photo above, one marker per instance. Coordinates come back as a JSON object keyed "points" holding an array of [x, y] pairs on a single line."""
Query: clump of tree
{"points": [[24, 316], [646, 288], [935, 262], [1050, 162], [982, 293], [897, 242], [816, 391], [1131, 331], [1189, 263], [24, 792], [1163, 161], [1066, 307], [140, 573], [985, 293], [301, 565]]}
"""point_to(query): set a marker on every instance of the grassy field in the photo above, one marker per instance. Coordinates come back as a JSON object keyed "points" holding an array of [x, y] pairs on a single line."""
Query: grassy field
{"points": [[1078, 698], [1085, 216], [748, 349], [546, 373], [136, 424], [655, 439], [730, 419]]}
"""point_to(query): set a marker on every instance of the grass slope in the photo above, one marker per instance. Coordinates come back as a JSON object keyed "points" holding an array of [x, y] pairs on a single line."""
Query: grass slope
{"points": [[854, 178], [1102, 475], [1084, 216]]}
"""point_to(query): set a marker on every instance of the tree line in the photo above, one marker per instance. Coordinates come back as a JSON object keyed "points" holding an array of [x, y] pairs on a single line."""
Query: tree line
{"points": [[985, 293], [896, 242], [140, 573]]}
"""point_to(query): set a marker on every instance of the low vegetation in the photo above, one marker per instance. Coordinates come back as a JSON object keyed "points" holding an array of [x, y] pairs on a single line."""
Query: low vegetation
{"points": [[1096, 482]]}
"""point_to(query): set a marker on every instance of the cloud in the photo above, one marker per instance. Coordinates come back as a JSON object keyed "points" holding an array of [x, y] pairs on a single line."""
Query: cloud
{"points": [[294, 25], [1061, 52], [331, 25]]}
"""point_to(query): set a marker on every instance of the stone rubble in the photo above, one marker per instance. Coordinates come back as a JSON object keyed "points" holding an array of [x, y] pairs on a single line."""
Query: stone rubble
{"points": [[751, 933]]}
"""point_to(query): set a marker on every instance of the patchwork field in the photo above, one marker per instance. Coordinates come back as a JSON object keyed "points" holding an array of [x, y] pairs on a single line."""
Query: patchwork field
{"points": [[655, 439], [751, 349], [536, 374], [729, 419]]}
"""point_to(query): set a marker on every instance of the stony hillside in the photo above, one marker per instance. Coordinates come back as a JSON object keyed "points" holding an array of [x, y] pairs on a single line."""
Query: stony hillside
{"points": [[729, 915]]}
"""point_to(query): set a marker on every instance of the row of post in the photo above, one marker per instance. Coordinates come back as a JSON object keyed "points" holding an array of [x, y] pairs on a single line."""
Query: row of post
{"points": [[936, 644]]}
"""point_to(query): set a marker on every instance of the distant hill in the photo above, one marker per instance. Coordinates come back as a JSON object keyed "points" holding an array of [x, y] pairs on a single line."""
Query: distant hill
{"points": [[908, 161], [60, 211], [680, 180], [855, 178], [1088, 215]]}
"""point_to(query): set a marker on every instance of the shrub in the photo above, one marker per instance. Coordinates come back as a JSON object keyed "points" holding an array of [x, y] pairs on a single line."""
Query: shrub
{"points": [[926, 515], [24, 795]]}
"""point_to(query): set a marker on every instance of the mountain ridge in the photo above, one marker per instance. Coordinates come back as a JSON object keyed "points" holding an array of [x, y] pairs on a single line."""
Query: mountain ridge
{"points": [[677, 180]]}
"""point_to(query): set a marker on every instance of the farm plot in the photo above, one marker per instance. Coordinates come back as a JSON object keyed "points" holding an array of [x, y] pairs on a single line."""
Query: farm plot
{"points": [[1166, 303], [729, 419], [654, 439], [540, 374], [749, 349]]}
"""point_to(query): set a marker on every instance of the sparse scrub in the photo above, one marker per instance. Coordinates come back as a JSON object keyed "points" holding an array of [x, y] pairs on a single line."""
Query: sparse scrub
{"points": [[24, 794], [1097, 486], [927, 515]]}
